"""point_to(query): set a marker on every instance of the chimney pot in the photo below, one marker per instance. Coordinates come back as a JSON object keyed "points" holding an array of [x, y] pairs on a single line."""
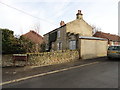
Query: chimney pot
{"points": [[79, 11], [62, 23], [79, 15]]}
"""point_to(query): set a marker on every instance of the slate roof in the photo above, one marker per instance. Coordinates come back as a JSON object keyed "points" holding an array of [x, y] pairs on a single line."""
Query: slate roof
{"points": [[92, 38]]}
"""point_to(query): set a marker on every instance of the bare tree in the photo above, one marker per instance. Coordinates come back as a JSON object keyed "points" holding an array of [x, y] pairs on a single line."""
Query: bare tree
{"points": [[95, 29], [37, 27]]}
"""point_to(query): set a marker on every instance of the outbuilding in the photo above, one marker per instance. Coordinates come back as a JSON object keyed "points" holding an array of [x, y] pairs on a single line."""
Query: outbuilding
{"points": [[92, 47]]}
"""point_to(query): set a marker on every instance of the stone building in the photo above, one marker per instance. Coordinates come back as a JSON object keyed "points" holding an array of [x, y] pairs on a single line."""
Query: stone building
{"points": [[67, 35]]}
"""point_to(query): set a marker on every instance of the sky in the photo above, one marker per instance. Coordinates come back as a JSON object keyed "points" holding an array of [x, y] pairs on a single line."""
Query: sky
{"points": [[21, 16]]}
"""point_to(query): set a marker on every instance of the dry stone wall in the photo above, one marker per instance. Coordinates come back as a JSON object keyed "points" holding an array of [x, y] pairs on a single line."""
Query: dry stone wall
{"points": [[50, 58], [46, 58]]}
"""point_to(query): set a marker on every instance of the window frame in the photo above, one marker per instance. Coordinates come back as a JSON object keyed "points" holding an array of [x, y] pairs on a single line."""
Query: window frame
{"points": [[72, 45], [58, 33], [59, 46]]}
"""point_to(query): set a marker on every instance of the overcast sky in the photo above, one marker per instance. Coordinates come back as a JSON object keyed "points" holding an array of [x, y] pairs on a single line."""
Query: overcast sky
{"points": [[22, 15]]}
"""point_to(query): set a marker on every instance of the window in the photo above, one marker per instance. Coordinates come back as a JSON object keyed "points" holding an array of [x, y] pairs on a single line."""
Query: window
{"points": [[59, 45], [72, 45], [47, 47], [58, 34], [114, 48], [112, 43]]}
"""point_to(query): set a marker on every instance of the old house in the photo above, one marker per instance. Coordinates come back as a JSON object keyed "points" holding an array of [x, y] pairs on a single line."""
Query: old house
{"points": [[76, 35], [35, 38], [112, 39], [65, 37]]}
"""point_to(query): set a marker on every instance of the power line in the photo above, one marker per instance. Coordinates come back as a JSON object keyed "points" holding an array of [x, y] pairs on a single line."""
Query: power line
{"points": [[27, 13]]}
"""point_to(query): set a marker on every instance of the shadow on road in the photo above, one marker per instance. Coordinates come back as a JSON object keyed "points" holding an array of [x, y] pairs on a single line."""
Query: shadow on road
{"points": [[113, 60], [13, 66]]}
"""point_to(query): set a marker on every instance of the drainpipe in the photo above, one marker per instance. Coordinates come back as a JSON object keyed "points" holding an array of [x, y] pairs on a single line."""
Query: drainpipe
{"points": [[78, 46]]}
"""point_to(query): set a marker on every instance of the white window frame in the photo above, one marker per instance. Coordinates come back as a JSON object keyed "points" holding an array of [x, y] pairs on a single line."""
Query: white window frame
{"points": [[59, 46], [46, 47], [58, 33], [72, 45]]}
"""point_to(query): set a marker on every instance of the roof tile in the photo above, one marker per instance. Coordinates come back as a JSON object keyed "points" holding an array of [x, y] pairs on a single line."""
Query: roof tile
{"points": [[34, 37], [108, 36]]}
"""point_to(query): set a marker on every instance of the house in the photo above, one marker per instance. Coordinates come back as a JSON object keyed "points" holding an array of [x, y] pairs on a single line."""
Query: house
{"points": [[76, 35], [34, 37], [112, 39], [66, 36]]}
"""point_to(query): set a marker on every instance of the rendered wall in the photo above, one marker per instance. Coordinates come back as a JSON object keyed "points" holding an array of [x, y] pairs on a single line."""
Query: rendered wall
{"points": [[79, 26], [92, 48]]}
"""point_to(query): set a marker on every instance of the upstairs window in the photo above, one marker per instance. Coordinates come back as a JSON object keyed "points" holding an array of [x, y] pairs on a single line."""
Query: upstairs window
{"points": [[58, 34]]}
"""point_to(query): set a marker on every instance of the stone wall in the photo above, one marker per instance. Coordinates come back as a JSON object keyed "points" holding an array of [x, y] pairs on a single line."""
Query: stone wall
{"points": [[46, 58], [61, 39], [49, 58], [7, 60]]}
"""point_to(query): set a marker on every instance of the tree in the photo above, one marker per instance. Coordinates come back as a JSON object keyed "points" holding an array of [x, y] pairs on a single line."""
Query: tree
{"points": [[26, 45], [7, 41], [42, 47], [12, 44], [95, 29], [37, 27]]}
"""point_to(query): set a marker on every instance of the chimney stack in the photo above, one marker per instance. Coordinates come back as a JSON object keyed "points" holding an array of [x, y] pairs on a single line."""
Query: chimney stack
{"points": [[79, 15], [62, 23]]}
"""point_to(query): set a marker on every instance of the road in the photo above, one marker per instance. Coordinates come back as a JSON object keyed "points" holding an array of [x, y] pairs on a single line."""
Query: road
{"points": [[103, 74]]}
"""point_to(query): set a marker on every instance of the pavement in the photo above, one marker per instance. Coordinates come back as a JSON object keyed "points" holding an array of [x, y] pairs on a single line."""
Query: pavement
{"points": [[92, 73]]}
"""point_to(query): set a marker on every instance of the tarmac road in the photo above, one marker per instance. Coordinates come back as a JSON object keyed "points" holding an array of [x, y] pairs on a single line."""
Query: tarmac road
{"points": [[103, 74]]}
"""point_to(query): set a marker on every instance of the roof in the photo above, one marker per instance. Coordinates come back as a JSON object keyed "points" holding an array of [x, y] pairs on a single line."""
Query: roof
{"points": [[64, 26], [34, 37], [79, 12], [92, 38], [54, 30], [108, 36]]}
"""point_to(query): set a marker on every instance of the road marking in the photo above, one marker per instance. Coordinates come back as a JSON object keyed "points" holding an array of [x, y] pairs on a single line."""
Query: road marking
{"points": [[47, 73]]}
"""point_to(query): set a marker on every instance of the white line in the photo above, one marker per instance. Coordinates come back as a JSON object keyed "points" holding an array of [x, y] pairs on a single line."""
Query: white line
{"points": [[42, 74]]}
